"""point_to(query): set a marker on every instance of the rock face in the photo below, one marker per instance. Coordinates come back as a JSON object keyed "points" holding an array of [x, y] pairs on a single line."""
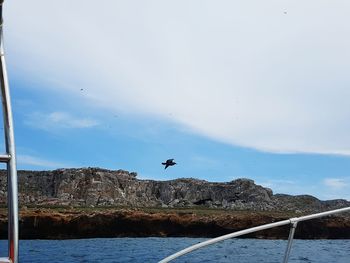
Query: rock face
{"points": [[95, 187], [75, 223]]}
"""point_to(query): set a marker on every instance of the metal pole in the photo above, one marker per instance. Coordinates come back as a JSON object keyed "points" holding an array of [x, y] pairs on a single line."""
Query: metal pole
{"points": [[290, 241], [12, 192]]}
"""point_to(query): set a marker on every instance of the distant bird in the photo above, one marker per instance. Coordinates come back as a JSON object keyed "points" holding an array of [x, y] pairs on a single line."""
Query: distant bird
{"points": [[169, 162]]}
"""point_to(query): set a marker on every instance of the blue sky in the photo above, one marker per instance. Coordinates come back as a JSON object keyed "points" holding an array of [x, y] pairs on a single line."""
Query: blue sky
{"points": [[228, 89]]}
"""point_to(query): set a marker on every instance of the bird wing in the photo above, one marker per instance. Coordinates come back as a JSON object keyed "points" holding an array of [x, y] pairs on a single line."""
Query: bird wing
{"points": [[166, 166]]}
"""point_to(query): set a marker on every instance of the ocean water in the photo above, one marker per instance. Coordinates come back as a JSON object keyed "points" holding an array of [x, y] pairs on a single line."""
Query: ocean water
{"points": [[154, 249]]}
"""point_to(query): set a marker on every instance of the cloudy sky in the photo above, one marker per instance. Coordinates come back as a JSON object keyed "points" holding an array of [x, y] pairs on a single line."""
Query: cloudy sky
{"points": [[230, 89]]}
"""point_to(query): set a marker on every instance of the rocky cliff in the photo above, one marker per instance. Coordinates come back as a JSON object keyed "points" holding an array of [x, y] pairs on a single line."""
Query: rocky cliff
{"points": [[95, 187], [90, 223], [93, 202]]}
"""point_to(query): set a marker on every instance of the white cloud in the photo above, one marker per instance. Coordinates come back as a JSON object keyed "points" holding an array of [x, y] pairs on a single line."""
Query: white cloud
{"points": [[335, 188], [58, 120], [336, 183], [326, 189], [242, 72], [36, 161]]}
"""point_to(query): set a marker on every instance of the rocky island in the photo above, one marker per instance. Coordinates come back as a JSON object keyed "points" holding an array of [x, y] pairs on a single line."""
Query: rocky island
{"points": [[94, 202]]}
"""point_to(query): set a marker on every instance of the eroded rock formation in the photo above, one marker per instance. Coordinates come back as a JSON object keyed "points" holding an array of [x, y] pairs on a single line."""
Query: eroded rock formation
{"points": [[88, 202], [95, 187], [75, 223]]}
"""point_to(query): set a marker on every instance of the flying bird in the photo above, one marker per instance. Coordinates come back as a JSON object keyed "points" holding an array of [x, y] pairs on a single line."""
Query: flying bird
{"points": [[169, 162]]}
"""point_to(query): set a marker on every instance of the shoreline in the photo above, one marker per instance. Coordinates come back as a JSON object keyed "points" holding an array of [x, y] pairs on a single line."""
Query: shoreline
{"points": [[79, 223]]}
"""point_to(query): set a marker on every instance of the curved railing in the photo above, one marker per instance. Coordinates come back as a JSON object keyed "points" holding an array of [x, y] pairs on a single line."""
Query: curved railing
{"points": [[292, 221]]}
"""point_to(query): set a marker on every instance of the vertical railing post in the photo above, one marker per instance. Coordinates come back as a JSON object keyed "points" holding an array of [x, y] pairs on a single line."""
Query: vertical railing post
{"points": [[290, 240], [12, 192]]}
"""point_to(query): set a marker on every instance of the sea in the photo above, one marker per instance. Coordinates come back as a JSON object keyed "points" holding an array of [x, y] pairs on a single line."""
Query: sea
{"points": [[154, 249]]}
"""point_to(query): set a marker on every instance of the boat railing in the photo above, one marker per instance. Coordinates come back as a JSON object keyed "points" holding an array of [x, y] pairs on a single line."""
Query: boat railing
{"points": [[293, 222], [9, 157]]}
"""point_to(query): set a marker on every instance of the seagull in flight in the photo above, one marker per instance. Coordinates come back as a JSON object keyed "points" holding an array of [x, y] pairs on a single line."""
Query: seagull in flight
{"points": [[169, 162]]}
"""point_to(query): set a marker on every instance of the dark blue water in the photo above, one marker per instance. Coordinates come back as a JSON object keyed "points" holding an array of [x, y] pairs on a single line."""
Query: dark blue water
{"points": [[153, 249]]}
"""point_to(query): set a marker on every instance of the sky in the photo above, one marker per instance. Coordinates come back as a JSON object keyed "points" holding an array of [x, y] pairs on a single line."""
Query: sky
{"points": [[229, 89]]}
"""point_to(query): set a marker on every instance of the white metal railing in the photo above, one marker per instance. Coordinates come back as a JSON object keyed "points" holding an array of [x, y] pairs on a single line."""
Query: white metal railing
{"points": [[10, 157], [292, 221]]}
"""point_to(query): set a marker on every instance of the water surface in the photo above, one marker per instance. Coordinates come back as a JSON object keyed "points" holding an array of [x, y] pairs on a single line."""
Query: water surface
{"points": [[153, 249]]}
